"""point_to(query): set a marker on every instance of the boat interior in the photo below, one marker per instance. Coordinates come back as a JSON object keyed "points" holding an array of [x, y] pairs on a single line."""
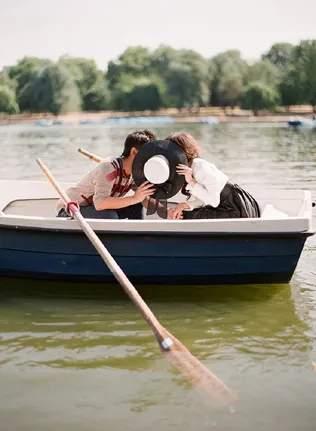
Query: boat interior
{"points": [[37, 200]]}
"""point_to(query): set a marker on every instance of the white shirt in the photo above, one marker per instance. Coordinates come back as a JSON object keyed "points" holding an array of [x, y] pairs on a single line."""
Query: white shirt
{"points": [[210, 181]]}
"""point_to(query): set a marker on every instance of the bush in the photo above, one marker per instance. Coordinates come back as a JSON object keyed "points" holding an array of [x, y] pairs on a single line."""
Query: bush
{"points": [[259, 96], [8, 104]]}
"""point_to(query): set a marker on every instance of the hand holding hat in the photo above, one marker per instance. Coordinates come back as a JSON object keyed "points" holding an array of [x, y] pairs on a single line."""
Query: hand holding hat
{"points": [[187, 172], [143, 191]]}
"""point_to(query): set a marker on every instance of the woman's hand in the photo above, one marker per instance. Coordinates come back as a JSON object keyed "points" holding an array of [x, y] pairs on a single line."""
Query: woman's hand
{"points": [[170, 213], [187, 172], [143, 191], [176, 213]]}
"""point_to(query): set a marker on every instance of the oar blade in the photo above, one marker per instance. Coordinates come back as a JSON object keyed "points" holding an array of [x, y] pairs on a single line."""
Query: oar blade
{"points": [[196, 373]]}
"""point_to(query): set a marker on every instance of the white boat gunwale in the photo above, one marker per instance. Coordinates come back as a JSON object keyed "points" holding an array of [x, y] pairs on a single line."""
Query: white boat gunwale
{"points": [[26, 191]]}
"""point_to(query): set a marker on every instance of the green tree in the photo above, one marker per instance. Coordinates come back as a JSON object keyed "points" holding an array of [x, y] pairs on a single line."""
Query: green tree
{"points": [[8, 104], [230, 87], [305, 72], [135, 61], [184, 73], [51, 89], [22, 72], [98, 97], [265, 72], [161, 59], [6, 81], [289, 89], [281, 55], [186, 80], [227, 78], [258, 97], [90, 81], [166, 77], [138, 94]]}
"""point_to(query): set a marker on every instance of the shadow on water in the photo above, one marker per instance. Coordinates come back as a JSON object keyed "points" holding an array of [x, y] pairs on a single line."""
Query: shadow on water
{"points": [[102, 322], [11, 287]]}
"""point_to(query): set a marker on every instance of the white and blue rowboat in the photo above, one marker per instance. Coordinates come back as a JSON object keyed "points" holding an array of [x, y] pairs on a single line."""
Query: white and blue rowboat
{"points": [[138, 120], [209, 120], [34, 243], [305, 123], [49, 123]]}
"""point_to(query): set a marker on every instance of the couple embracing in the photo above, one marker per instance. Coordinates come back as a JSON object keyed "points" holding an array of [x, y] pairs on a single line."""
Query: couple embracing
{"points": [[210, 194]]}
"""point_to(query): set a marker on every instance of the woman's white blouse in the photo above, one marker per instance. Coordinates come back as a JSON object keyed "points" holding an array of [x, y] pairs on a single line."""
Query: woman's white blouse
{"points": [[210, 181]]}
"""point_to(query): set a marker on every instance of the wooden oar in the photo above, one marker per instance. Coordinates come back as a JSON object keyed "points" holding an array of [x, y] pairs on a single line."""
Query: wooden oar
{"points": [[91, 156], [197, 373]]}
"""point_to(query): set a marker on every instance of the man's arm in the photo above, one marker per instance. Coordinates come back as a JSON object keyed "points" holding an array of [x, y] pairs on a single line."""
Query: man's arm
{"points": [[103, 185], [111, 203]]}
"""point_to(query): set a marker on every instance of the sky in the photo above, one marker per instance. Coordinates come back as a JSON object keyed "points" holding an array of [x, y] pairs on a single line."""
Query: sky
{"points": [[103, 29]]}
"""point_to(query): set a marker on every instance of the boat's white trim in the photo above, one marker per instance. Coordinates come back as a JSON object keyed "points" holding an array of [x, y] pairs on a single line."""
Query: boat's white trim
{"points": [[185, 226], [295, 203]]}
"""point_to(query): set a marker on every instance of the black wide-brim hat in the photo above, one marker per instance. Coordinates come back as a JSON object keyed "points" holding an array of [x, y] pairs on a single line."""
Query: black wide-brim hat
{"points": [[175, 156]]}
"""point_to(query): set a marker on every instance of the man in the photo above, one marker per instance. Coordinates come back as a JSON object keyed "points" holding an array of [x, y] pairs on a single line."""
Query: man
{"points": [[101, 193]]}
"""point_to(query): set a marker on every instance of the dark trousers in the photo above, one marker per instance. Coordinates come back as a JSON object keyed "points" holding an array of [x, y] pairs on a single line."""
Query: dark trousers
{"points": [[132, 212]]}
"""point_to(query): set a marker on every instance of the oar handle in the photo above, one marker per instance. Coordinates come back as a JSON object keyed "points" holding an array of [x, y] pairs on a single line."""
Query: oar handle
{"points": [[104, 253], [54, 182], [91, 156]]}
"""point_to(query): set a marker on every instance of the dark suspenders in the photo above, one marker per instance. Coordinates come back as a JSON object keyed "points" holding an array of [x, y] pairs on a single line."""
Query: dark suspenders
{"points": [[119, 173]]}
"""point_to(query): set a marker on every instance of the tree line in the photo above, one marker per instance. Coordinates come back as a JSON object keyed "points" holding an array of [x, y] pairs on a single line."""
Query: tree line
{"points": [[140, 79]]}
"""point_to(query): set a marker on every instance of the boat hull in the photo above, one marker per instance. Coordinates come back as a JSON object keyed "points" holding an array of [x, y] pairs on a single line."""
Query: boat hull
{"points": [[305, 123], [153, 257]]}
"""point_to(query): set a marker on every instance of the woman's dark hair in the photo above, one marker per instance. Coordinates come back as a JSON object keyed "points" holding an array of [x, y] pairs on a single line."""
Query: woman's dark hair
{"points": [[136, 140], [191, 148]]}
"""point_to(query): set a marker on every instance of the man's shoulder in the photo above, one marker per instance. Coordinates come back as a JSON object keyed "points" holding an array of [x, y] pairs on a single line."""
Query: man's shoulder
{"points": [[107, 163], [108, 160], [108, 167]]}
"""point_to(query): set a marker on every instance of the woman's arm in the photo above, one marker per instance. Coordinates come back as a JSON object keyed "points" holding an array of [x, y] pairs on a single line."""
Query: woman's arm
{"points": [[208, 193], [210, 183], [205, 182]]}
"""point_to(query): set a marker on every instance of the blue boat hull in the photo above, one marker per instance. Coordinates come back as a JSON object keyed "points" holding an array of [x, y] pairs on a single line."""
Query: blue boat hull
{"points": [[153, 258], [294, 123], [302, 123]]}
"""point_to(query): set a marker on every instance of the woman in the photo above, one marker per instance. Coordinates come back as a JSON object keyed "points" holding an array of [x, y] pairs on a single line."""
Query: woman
{"points": [[209, 192]]}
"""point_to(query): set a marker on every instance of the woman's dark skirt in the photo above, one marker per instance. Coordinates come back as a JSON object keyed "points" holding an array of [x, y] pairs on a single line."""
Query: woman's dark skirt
{"points": [[234, 203]]}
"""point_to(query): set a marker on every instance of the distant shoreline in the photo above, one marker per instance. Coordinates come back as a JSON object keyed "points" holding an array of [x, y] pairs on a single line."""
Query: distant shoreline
{"points": [[179, 116]]}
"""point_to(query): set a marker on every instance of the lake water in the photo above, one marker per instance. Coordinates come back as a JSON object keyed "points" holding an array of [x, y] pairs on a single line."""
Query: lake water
{"points": [[80, 357]]}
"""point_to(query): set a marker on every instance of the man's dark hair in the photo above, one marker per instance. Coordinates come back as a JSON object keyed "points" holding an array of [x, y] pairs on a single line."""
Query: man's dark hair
{"points": [[136, 140]]}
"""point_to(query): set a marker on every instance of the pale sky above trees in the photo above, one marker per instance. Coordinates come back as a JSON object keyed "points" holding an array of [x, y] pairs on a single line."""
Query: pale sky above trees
{"points": [[103, 29]]}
